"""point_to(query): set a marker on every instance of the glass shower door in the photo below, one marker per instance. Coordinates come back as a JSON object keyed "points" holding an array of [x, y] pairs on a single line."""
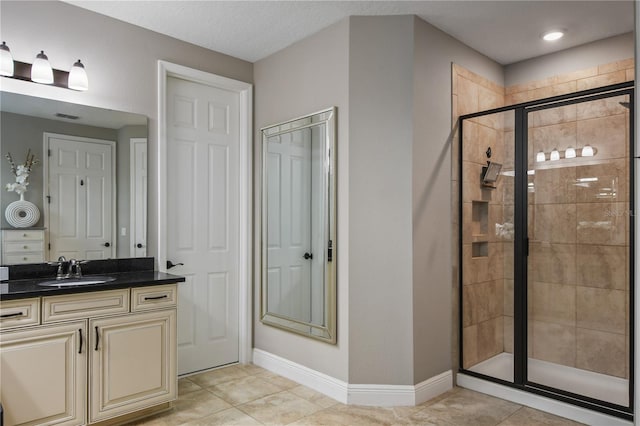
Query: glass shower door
{"points": [[578, 269]]}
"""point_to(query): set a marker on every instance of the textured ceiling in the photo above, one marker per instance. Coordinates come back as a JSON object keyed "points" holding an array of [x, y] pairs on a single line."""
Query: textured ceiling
{"points": [[506, 31]]}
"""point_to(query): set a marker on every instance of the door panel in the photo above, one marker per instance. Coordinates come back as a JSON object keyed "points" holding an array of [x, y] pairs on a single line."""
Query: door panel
{"points": [[579, 222], [81, 193], [203, 226]]}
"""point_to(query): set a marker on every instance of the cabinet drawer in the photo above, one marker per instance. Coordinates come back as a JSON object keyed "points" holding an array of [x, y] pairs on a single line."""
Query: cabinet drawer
{"points": [[19, 313], [84, 305], [23, 246], [159, 296], [15, 259], [23, 235]]}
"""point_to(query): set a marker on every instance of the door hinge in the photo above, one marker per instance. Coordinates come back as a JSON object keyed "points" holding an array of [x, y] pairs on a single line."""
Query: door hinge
{"points": [[48, 152], [49, 199], [330, 251], [49, 246]]}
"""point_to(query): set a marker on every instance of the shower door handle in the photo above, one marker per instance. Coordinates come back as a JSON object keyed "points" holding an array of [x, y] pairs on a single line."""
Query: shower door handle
{"points": [[526, 247]]}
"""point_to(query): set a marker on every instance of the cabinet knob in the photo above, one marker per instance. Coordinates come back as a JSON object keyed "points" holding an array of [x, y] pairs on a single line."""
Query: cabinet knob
{"points": [[26, 247], [25, 235], [25, 258]]}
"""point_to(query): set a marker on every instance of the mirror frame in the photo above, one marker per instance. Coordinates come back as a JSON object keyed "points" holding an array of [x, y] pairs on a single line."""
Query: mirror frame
{"points": [[326, 332]]}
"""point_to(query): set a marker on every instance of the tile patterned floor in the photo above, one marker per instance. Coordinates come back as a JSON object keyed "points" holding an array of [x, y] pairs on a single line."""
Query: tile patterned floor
{"points": [[249, 395]]}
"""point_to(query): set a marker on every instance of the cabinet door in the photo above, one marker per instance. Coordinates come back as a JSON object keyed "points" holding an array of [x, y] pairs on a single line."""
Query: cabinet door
{"points": [[132, 363], [43, 375]]}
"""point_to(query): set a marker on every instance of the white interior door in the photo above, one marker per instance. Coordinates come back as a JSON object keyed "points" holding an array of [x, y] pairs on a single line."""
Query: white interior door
{"points": [[289, 252], [138, 177], [81, 197], [202, 220]]}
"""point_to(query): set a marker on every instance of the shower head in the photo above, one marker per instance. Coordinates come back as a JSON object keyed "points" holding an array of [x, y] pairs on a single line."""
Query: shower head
{"points": [[625, 104]]}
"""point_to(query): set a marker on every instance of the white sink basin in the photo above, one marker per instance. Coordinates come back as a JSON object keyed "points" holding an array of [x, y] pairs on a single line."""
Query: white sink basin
{"points": [[68, 282]]}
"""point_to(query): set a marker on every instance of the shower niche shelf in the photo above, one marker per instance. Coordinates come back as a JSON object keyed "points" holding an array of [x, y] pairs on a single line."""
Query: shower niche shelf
{"points": [[479, 228]]}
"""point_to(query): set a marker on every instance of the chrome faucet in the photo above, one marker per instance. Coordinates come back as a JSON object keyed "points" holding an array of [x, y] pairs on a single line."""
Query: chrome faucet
{"points": [[62, 266], [74, 269], [68, 268]]}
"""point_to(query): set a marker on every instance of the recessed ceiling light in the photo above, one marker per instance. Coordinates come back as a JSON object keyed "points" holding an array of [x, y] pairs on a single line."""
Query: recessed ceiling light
{"points": [[553, 35]]}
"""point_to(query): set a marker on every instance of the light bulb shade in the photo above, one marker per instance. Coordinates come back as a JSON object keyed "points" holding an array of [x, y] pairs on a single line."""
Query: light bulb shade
{"points": [[555, 155], [587, 151], [6, 60], [570, 153], [78, 77], [540, 157], [41, 71]]}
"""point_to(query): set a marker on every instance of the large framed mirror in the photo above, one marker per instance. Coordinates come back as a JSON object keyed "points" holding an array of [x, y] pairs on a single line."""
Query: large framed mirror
{"points": [[299, 225], [89, 185]]}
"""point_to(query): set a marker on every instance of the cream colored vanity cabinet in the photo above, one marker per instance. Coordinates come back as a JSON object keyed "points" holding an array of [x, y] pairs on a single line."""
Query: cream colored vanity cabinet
{"points": [[22, 246], [43, 374], [98, 356], [132, 363]]}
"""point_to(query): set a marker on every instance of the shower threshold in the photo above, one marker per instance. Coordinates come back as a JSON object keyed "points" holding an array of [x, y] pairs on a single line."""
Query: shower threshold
{"points": [[611, 389]]}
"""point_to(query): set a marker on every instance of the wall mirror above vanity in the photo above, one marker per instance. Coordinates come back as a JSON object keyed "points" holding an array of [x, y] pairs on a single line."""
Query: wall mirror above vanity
{"points": [[89, 184], [299, 225]]}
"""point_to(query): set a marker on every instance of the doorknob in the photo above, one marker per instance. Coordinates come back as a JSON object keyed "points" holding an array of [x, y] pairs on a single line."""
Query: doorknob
{"points": [[139, 245], [170, 264], [107, 245], [308, 256]]}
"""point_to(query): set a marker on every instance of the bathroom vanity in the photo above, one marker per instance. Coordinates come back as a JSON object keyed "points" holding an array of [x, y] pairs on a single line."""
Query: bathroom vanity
{"points": [[101, 353]]}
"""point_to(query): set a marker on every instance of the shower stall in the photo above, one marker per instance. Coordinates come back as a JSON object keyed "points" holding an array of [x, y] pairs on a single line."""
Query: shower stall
{"points": [[546, 247]]}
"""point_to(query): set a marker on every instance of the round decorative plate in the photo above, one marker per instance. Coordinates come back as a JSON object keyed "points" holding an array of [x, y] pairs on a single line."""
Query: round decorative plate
{"points": [[22, 214]]}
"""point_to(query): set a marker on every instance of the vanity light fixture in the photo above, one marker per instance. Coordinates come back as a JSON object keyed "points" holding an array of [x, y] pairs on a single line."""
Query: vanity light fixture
{"points": [[78, 77], [6, 60], [570, 153], [41, 71], [553, 35], [587, 151]]}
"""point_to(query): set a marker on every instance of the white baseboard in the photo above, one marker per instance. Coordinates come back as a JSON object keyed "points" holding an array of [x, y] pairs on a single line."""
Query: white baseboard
{"points": [[538, 402], [320, 382], [378, 395]]}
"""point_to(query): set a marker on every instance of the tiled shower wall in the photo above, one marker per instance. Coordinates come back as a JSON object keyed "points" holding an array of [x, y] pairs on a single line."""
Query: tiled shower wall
{"points": [[578, 300]]}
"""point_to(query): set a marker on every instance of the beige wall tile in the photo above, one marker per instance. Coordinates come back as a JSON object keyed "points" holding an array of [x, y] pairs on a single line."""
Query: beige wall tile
{"points": [[554, 343], [546, 117], [630, 75], [482, 301], [601, 108], [467, 96], [560, 136], [554, 303], [554, 223], [611, 184], [616, 66], [490, 338], [553, 263], [578, 75], [600, 223], [607, 135], [554, 90], [508, 298], [602, 266], [601, 352], [469, 346], [555, 186], [601, 80], [601, 309], [508, 334]]}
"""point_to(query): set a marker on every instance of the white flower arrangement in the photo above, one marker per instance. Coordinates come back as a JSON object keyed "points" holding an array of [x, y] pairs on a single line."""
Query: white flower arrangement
{"points": [[21, 172]]}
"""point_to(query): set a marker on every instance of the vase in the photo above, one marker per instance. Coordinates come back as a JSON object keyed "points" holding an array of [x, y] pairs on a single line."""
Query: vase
{"points": [[22, 213]]}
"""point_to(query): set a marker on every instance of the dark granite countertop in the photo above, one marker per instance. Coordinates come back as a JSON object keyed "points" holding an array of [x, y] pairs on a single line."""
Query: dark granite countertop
{"points": [[127, 273]]}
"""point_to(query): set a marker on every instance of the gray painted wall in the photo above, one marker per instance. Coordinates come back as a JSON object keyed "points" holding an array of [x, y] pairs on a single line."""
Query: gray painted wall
{"points": [[18, 133], [306, 77], [120, 59], [576, 58], [432, 193], [380, 232]]}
